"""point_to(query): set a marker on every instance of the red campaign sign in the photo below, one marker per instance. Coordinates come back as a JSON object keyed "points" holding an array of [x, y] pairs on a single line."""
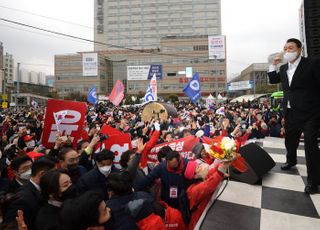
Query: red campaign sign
{"points": [[108, 130], [183, 145], [66, 117], [116, 142]]}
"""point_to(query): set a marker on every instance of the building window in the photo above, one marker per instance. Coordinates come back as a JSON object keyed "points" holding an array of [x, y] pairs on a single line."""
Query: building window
{"points": [[200, 48], [171, 74]]}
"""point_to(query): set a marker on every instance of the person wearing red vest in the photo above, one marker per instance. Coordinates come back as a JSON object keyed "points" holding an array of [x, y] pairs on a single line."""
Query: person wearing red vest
{"points": [[199, 193]]}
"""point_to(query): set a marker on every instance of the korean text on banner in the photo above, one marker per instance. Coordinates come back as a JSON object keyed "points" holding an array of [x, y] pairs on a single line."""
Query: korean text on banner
{"points": [[90, 64], [183, 146], [116, 142], [216, 47], [66, 117]]}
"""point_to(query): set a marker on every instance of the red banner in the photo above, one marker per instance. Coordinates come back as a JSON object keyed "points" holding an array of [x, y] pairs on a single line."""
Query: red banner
{"points": [[116, 142], [66, 117], [183, 146]]}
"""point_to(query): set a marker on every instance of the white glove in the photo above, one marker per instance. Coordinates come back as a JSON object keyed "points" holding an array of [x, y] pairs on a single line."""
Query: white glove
{"points": [[157, 126]]}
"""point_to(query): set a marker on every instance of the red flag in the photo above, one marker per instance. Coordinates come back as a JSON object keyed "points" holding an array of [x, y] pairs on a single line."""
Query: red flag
{"points": [[117, 93]]}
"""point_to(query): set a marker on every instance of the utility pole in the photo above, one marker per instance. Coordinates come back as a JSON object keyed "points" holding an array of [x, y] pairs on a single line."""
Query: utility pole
{"points": [[4, 80], [18, 85]]}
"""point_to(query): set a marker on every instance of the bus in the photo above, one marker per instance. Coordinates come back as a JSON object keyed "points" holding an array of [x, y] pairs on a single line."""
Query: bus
{"points": [[276, 100]]}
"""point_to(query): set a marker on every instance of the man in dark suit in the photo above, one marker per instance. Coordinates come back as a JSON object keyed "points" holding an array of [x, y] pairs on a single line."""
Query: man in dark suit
{"points": [[300, 79], [29, 194], [96, 178]]}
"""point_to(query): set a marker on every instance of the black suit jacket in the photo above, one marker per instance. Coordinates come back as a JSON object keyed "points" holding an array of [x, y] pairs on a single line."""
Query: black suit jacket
{"points": [[48, 218], [14, 186], [304, 91], [28, 201]]}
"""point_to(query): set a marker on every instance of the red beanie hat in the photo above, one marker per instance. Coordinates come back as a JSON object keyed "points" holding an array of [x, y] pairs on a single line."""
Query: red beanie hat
{"points": [[190, 170]]}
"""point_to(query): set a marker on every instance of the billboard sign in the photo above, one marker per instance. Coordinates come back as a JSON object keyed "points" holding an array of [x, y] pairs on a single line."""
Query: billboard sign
{"points": [[90, 64], [240, 85], [189, 72], [216, 47], [144, 72]]}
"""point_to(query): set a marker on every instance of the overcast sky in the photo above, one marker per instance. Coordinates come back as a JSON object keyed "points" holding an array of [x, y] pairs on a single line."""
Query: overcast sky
{"points": [[254, 29]]}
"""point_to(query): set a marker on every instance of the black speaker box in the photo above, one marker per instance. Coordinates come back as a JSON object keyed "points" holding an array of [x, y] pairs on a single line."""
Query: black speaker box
{"points": [[258, 163]]}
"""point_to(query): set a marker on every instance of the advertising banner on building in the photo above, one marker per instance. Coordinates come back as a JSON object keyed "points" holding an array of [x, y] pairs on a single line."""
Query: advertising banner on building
{"points": [[89, 64], [189, 72], [240, 85], [65, 117], [144, 72], [216, 47]]}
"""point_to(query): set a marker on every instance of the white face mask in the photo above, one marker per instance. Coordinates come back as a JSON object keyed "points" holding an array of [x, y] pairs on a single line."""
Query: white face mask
{"points": [[290, 56], [105, 170], [31, 144], [26, 175]]}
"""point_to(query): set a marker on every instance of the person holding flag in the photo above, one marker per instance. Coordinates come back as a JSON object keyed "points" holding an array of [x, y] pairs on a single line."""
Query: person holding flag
{"points": [[192, 89]]}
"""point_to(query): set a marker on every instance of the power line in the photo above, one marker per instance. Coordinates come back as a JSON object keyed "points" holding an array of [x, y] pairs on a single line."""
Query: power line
{"points": [[96, 42], [73, 23], [47, 17], [42, 34]]}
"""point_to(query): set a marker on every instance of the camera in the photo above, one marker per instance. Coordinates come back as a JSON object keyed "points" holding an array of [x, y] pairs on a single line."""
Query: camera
{"points": [[103, 137]]}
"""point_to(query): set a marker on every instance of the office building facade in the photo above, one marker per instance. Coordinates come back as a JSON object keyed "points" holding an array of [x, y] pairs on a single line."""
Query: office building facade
{"points": [[140, 24], [69, 77]]}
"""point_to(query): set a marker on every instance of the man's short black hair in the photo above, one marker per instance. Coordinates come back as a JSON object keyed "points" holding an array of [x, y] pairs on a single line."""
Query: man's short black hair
{"points": [[16, 162], [119, 183], [163, 152], [63, 151], [42, 163], [296, 41], [125, 157], [172, 154]]}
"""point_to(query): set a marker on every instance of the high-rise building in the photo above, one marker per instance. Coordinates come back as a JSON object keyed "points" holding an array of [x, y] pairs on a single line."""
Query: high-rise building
{"points": [[8, 72], [50, 80], [1, 55], [24, 76], [33, 77], [140, 24], [42, 78]]}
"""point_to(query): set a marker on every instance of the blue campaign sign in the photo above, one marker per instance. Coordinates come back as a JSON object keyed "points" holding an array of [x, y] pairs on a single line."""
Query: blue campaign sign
{"points": [[155, 69]]}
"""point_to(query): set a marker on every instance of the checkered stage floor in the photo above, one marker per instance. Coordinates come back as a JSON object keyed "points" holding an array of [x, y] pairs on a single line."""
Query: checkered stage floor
{"points": [[278, 202]]}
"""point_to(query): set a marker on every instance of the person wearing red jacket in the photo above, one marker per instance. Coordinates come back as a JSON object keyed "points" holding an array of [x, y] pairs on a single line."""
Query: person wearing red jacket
{"points": [[200, 192], [172, 217], [150, 144]]}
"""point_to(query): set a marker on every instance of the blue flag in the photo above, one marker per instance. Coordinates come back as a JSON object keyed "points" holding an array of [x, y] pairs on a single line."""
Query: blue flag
{"points": [[92, 95], [192, 89]]}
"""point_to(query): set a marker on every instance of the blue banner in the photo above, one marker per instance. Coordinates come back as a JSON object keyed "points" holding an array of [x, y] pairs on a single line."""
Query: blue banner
{"points": [[157, 70], [192, 89]]}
